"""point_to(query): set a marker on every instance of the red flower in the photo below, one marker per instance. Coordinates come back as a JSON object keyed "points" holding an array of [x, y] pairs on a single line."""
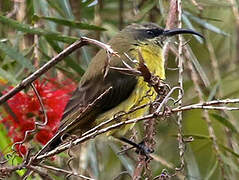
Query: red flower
{"points": [[27, 110]]}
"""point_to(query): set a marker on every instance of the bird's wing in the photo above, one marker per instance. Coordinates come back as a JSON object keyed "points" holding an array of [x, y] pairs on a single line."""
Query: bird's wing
{"points": [[92, 85]]}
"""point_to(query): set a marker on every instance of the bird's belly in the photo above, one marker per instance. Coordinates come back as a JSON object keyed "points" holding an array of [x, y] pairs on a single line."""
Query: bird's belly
{"points": [[142, 94]]}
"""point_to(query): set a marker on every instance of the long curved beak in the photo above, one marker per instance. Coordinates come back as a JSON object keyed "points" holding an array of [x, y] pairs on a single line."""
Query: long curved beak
{"points": [[173, 32]]}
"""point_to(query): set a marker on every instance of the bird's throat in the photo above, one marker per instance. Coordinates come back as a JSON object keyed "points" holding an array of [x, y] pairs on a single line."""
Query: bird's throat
{"points": [[153, 59]]}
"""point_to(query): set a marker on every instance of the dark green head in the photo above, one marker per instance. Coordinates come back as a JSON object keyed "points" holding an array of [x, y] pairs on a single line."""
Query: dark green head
{"points": [[147, 31]]}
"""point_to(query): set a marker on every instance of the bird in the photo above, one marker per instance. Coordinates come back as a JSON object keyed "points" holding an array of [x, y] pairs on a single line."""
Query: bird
{"points": [[124, 90]]}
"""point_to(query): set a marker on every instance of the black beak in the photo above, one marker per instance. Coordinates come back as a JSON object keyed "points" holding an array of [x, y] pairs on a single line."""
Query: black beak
{"points": [[173, 32]]}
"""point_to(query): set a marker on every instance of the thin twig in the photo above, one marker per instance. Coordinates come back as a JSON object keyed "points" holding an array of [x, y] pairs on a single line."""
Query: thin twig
{"points": [[97, 132], [170, 24], [42, 107], [181, 145], [36, 124], [64, 171]]}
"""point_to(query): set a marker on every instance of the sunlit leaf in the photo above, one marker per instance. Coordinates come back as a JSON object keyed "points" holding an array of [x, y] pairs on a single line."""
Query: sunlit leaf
{"points": [[190, 26], [5, 147], [205, 24]]}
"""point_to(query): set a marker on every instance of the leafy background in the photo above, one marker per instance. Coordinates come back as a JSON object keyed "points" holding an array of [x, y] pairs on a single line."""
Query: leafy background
{"points": [[33, 31]]}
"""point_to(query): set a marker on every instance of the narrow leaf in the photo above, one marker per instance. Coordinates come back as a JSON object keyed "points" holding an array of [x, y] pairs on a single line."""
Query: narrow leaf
{"points": [[225, 122], [212, 170], [72, 23], [190, 26], [69, 61], [8, 76], [31, 30], [205, 24], [14, 54]]}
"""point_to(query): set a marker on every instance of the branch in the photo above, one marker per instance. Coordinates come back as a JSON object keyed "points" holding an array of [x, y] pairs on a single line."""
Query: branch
{"points": [[181, 145], [90, 134], [97, 132], [78, 44], [64, 171]]}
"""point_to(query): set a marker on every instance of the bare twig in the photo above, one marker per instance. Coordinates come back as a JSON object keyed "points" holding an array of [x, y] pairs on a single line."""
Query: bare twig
{"points": [[199, 6], [42, 107], [64, 171], [181, 144], [36, 124], [97, 132], [171, 23]]}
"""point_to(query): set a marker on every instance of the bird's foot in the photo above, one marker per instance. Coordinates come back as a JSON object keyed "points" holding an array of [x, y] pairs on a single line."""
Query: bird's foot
{"points": [[141, 148]]}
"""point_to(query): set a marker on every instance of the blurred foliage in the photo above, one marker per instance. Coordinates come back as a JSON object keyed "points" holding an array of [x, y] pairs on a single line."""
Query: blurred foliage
{"points": [[33, 31]]}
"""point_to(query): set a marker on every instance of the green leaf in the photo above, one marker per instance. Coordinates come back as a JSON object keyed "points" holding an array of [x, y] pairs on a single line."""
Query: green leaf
{"points": [[229, 150], [198, 67], [5, 140], [32, 30], [56, 6], [30, 8], [205, 24], [148, 6], [126, 161], [14, 54], [6, 75], [212, 170], [69, 61], [66, 7], [214, 91], [89, 3], [5, 147], [225, 122], [92, 156], [192, 165], [72, 23], [190, 26]]}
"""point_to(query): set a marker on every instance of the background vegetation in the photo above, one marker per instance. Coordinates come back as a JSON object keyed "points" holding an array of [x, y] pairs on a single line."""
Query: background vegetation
{"points": [[33, 31]]}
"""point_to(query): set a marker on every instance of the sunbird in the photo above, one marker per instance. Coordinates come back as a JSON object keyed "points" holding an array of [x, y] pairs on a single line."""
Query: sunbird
{"points": [[125, 91]]}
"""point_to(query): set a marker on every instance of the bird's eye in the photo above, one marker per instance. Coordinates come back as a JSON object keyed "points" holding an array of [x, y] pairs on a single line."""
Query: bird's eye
{"points": [[150, 33]]}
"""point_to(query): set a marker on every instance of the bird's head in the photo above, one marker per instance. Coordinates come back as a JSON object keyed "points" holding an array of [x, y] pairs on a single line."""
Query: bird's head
{"points": [[153, 33]]}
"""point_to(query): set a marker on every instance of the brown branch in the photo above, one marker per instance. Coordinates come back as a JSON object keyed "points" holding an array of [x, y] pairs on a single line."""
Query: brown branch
{"points": [[78, 44], [97, 132], [181, 145]]}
